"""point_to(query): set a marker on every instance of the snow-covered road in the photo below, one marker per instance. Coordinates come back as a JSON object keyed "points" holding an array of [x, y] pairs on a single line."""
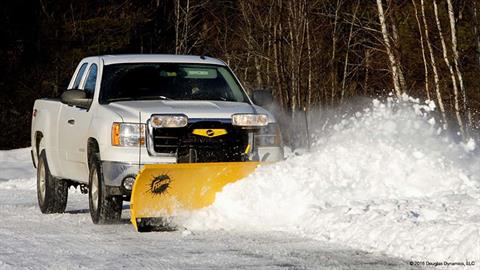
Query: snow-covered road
{"points": [[30, 240]]}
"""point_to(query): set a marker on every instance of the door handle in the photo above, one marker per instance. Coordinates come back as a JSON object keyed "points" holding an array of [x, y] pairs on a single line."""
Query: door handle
{"points": [[71, 121]]}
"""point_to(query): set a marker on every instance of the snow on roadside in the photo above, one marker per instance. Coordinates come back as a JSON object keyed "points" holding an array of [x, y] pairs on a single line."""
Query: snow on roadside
{"points": [[384, 180], [16, 170]]}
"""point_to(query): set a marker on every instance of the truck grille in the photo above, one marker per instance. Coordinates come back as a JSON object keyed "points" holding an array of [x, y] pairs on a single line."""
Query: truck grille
{"points": [[194, 148]]}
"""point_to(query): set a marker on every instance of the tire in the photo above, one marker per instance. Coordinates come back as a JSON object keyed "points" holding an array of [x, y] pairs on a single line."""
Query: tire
{"points": [[52, 193], [104, 209]]}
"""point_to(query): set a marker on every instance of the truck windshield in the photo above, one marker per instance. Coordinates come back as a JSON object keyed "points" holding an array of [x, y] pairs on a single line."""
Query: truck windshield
{"points": [[143, 81]]}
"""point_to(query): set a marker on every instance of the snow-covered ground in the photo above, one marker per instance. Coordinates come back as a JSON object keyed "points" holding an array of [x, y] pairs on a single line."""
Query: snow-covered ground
{"points": [[30, 240], [380, 189]]}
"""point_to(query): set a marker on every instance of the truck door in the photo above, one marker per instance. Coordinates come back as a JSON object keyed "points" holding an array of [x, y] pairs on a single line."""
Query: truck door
{"points": [[73, 127]]}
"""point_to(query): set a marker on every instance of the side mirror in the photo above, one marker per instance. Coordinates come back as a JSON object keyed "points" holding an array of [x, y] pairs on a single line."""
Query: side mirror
{"points": [[77, 98], [262, 97]]}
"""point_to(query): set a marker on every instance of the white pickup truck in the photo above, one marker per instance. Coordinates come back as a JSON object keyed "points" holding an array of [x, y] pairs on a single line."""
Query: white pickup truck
{"points": [[121, 112]]}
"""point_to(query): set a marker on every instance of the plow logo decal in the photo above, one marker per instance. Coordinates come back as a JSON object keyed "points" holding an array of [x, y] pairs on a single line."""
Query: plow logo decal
{"points": [[160, 184], [210, 133]]}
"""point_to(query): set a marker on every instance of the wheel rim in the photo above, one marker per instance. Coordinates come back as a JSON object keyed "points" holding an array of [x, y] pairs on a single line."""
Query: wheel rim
{"points": [[94, 191], [42, 179]]}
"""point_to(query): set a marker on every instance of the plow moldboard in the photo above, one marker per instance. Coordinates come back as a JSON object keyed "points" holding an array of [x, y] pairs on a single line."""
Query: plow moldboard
{"points": [[162, 189]]}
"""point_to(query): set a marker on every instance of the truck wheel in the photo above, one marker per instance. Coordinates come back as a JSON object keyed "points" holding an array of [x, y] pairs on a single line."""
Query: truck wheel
{"points": [[52, 193], [104, 209]]}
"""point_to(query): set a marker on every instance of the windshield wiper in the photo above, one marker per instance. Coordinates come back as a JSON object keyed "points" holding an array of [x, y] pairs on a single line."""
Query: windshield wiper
{"points": [[153, 98]]}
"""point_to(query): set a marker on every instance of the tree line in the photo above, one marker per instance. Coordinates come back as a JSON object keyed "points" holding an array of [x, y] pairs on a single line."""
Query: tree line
{"points": [[309, 53]]}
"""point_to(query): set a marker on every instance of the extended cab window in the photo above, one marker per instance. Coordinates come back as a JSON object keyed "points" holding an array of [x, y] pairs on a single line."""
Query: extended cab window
{"points": [[76, 84], [91, 81], [139, 81]]}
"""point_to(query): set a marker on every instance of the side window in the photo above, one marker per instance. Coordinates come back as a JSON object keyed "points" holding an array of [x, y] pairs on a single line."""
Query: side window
{"points": [[76, 84], [91, 80]]}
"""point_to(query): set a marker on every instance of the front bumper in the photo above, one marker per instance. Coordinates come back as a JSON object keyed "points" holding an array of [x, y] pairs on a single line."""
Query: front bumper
{"points": [[115, 172]]}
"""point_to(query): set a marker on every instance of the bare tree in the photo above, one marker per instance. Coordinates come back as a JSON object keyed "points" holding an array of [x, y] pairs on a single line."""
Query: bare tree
{"points": [[367, 69], [345, 62], [388, 47], [310, 67], [296, 21], [333, 70], [433, 63], [476, 31], [188, 25], [425, 65], [397, 54], [450, 69], [453, 31]]}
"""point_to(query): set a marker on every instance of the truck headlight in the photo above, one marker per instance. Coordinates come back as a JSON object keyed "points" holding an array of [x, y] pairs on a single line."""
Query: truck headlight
{"points": [[128, 134], [168, 121], [268, 136], [250, 120]]}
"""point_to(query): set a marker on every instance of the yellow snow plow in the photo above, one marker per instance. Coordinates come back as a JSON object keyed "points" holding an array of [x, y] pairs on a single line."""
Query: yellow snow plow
{"points": [[162, 190]]}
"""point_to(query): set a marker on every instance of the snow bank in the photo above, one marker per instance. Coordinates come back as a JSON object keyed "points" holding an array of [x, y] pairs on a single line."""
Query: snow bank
{"points": [[386, 179], [16, 170]]}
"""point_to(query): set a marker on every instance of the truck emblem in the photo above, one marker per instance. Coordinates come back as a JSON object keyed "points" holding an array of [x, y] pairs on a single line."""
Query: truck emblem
{"points": [[210, 133], [160, 184]]}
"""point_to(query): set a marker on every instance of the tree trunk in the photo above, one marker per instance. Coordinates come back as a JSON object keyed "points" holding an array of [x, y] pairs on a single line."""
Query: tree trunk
{"points": [[258, 73], [436, 79], [277, 64], [293, 78], [367, 69], [388, 47], [177, 27], [333, 66], [425, 65], [310, 71], [453, 31], [397, 53], [476, 31], [450, 69], [345, 62]]}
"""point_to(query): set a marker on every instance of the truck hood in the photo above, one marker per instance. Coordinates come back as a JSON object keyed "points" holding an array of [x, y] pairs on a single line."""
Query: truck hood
{"points": [[193, 109]]}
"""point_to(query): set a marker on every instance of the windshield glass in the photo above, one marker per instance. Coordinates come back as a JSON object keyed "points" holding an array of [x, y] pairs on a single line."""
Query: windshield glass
{"points": [[139, 81]]}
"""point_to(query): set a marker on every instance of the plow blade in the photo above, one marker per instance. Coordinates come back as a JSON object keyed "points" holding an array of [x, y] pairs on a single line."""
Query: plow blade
{"points": [[160, 190]]}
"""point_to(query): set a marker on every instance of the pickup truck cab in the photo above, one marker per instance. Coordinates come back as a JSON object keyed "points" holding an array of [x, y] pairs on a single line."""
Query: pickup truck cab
{"points": [[121, 112]]}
